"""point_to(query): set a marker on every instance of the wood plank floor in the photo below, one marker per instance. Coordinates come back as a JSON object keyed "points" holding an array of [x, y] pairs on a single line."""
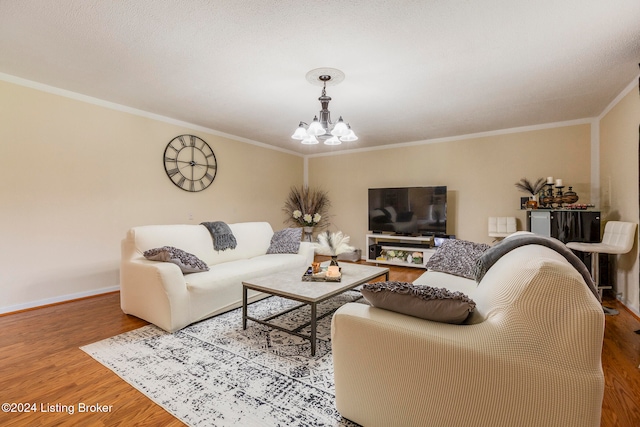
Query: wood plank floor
{"points": [[41, 364]]}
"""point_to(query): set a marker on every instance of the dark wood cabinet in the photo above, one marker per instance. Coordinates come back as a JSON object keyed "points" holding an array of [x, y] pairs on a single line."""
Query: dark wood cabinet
{"points": [[566, 225], [571, 226]]}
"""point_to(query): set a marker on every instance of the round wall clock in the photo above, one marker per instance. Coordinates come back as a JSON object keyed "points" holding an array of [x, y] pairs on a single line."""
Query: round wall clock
{"points": [[190, 163]]}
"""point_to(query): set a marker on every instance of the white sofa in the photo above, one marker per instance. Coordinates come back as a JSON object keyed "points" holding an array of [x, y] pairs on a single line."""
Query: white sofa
{"points": [[530, 354], [160, 293]]}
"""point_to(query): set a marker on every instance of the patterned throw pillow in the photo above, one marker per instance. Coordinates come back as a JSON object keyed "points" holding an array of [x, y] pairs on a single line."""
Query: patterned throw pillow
{"points": [[187, 262], [425, 302], [457, 257], [285, 241]]}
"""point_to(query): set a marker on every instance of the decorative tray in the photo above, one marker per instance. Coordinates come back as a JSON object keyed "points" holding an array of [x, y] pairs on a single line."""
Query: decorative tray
{"points": [[321, 276]]}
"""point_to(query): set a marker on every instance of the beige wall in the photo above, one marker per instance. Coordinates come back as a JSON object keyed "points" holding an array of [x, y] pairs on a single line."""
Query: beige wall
{"points": [[75, 176], [480, 174], [619, 184]]}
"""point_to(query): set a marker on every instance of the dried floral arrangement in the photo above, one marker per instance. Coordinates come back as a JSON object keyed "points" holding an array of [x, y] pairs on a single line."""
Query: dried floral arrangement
{"points": [[531, 187], [307, 207], [333, 244]]}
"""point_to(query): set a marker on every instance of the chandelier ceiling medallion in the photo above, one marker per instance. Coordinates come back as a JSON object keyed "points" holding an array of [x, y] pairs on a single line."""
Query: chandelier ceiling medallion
{"points": [[323, 128]]}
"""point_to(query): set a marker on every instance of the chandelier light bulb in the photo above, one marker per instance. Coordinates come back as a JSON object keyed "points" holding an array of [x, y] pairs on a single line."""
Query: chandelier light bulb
{"points": [[333, 141], [340, 128], [300, 133], [351, 136], [315, 128]]}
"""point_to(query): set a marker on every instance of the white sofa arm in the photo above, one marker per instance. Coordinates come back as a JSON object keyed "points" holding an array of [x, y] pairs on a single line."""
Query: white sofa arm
{"points": [[156, 292], [397, 370]]}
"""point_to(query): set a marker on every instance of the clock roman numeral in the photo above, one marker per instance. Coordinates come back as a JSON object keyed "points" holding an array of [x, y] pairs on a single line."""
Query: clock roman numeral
{"points": [[181, 181], [170, 159], [172, 172], [192, 186], [192, 140], [181, 139]]}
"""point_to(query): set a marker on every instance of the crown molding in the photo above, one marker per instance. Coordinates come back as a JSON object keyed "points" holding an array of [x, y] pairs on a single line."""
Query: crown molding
{"points": [[618, 98], [461, 137], [123, 108]]}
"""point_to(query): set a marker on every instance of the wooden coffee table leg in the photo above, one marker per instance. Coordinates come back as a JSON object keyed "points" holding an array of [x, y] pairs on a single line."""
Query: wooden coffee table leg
{"points": [[313, 328]]}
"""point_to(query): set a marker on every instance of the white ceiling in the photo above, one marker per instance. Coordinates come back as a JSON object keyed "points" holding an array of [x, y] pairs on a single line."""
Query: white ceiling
{"points": [[415, 70]]}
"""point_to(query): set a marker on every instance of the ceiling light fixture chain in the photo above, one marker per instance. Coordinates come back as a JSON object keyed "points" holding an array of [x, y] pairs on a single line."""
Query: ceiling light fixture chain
{"points": [[323, 128]]}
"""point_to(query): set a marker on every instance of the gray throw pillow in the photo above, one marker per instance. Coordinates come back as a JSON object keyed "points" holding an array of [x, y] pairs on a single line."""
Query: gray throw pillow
{"points": [[457, 257], [187, 262], [285, 241], [425, 302]]}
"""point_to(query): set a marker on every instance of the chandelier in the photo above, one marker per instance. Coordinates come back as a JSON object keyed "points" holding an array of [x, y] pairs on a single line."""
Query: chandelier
{"points": [[323, 128]]}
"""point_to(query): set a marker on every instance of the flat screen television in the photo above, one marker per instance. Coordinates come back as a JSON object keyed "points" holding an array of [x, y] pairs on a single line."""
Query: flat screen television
{"points": [[408, 210]]}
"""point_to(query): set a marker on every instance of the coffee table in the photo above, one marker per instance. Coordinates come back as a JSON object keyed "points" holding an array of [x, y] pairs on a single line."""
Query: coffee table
{"points": [[288, 284]]}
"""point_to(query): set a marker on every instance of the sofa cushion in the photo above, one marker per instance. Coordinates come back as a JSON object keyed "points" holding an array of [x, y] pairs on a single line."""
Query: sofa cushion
{"points": [[191, 238], [457, 257], [187, 262], [438, 279], [285, 241], [425, 302], [252, 239], [245, 269]]}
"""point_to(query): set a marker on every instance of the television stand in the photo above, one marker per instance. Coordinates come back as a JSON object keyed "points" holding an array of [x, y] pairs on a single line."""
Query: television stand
{"points": [[399, 250]]}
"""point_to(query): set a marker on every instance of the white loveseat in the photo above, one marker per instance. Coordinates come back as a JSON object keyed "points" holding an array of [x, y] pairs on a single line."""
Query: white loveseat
{"points": [[160, 293], [530, 354]]}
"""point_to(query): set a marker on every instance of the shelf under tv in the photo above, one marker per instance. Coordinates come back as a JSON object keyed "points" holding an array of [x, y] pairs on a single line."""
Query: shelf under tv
{"points": [[391, 242], [406, 244]]}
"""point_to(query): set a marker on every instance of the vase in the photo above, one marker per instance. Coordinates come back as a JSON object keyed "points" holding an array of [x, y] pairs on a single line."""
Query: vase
{"points": [[308, 233], [570, 197], [334, 260]]}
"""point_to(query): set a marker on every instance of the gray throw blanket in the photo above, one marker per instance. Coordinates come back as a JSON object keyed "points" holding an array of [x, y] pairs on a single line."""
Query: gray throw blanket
{"points": [[490, 256], [223, 238]]}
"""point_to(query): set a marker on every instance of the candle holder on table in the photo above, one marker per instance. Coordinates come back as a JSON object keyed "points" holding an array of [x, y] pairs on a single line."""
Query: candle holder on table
{"points": [[547, 196], [557, 199]]}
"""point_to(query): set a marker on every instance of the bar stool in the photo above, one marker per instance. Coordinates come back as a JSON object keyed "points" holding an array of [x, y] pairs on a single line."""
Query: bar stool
{"points": [[501, 226], [618, 239]]}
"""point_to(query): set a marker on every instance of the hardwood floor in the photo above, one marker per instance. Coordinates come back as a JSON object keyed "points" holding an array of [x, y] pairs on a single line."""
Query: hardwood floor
{"points": [[41, 364]]}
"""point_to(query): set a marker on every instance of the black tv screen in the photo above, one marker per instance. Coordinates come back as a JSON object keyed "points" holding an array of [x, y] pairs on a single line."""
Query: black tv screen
{"points": [[408, 210]]}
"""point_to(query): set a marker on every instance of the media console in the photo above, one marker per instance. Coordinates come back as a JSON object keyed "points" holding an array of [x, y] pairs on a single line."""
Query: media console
{"points": [[406, 244], [393, 249]]}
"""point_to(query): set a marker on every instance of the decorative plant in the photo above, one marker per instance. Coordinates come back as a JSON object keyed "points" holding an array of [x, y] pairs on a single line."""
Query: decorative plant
{"points": [[402, 256], [307, 207], [333, 244], [306, 219], [393, 254], [531, 187]]}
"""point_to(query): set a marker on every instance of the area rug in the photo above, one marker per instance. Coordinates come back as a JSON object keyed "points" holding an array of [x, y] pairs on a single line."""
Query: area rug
{"points": [[213, 373]]}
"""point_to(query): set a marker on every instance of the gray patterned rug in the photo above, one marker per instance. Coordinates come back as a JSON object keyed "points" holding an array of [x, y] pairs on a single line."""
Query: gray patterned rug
{"points": [[213, 373]]}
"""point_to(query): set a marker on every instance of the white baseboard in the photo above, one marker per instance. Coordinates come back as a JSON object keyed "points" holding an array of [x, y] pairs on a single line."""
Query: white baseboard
{"points": [[628, 307], [54, 300]]}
